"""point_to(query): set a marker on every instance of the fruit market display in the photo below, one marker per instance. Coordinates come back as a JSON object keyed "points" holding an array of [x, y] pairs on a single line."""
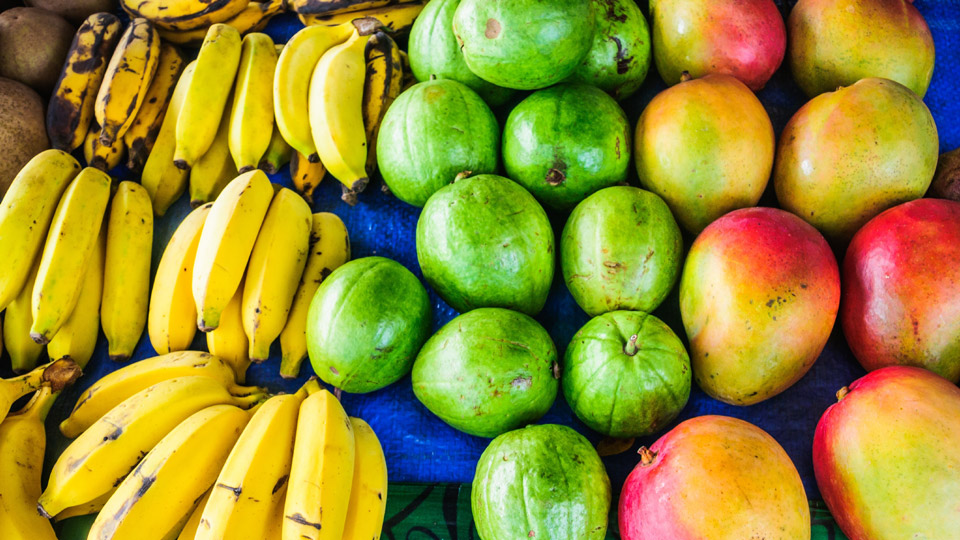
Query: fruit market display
{"points": [[552, 221]]}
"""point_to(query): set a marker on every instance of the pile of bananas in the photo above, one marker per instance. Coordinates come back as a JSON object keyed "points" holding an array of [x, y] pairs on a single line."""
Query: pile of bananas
{"points": [[243, 269], [173, 447], [186, 22], [70, 263]]}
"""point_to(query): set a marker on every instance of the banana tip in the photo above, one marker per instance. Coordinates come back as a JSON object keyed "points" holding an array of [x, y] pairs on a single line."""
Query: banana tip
{"points": [[181, 164], [39, 338], [43, 512]]}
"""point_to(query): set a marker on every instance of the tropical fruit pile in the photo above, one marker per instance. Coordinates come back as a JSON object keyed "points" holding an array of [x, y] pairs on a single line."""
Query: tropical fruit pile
{"points": [[503, 126]]}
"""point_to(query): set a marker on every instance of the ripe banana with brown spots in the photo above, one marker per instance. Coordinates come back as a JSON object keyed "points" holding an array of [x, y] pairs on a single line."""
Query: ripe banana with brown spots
{"points": [[182, 15], [253, 18], [125, 83], [99, 155], [143, 132], [384, 80], [72, 102], [306, 175], [394, 18]]}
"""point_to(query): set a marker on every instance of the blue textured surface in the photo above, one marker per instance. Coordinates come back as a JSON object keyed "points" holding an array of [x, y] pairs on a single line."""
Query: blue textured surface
{"points": [[419, 446]]}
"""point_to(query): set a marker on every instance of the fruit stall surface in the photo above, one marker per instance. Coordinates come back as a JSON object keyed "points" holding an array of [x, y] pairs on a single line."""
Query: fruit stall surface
{"points": [[430, 463]]}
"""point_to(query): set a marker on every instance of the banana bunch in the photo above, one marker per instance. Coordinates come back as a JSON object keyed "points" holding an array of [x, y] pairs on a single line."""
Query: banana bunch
{"points": [[333, 84], [58, 375], [96, 467], [253, 18], [184, 15], [395, 18]]}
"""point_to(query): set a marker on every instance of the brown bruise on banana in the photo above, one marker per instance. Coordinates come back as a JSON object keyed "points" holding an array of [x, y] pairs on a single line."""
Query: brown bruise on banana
{"points": [[106, 137], [300, 520]]}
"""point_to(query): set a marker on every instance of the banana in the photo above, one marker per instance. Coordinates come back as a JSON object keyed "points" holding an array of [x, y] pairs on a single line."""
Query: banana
{"points": [[146, 125], [171, 320], [126, 278], [189, 530], [251, 116], [291, 83], [336, 112], [99, 155], [77, 338], [384, 79], [248, 488], [321, 475], [181, 15], [91, 507], [160, 492], [99, 459], [215, 169], [394, 18], [206, 98], [164, 181], [115, 387], [306, 175], [228, 341], [57, 375], [226, 242], [329, 7], [329, 248], [25, 214], [22, 444], [278, 154], [368, 496], [17, 319], [73, 233], [125, 83], [71, 104], [253, 18], [276, 265]]}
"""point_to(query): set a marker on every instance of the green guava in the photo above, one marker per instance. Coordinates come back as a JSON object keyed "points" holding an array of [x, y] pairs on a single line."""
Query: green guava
{"points": [[626, 374], [566, 142], [484, 241], [366, 324], [487, 372]]}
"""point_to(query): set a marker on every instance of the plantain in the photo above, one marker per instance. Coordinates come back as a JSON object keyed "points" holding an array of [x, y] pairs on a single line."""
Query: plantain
{"points": [[125, 83], [143, 132], [395, 19], [253, 18], [384, 80], [71, 104]]}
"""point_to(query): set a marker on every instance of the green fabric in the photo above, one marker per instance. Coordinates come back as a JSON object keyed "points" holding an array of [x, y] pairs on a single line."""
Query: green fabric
{"points": [[442, 512]]}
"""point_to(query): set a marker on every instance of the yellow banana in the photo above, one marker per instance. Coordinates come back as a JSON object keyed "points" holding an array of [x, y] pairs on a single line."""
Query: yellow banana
{"points": [[146, 125], [17, 319], [291, 83], [164, 181], [306, 175], [98, 460], [248, 488], [57, 374], [328, 7], [165, 486], [125, 83], [251, 116], [99, 155], [189, 530], [336, 112], [329, 249], [115, 387], [71, 104], [278, 154], [171, 320], [384, 79], [215, 169], [228, 340], [321, 475], [73, 233], [368, 496], [22, 444], [276, 265], [226, 242], [394, 18], [253, 18], [206, 98], [91, 507], [25, 214], [181, 15], [77, 338], [126, 279]]}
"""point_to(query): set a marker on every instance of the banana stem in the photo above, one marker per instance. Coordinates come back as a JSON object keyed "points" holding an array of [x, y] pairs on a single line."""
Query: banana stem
{"points": [[40, 404]]}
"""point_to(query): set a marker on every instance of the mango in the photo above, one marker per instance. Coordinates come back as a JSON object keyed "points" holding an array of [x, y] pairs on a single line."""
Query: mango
{"points": [[759, 295], [848, 155], [716, 478], [886, 456], [901, 296]]}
